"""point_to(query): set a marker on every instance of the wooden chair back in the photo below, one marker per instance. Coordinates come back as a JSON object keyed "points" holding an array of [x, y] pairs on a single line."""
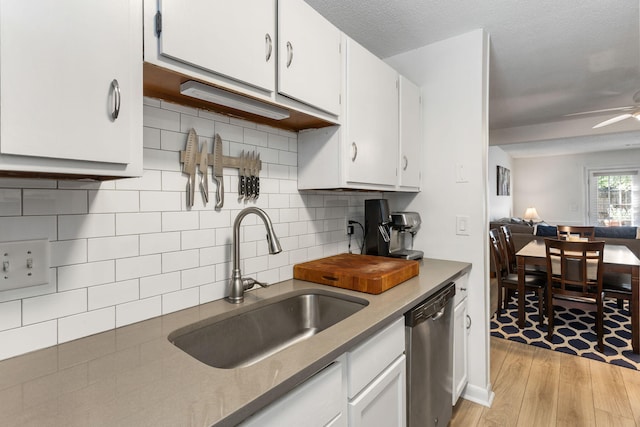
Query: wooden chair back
{"points": [[510, 248], [499, 256], [574, 268], [583, 231]]}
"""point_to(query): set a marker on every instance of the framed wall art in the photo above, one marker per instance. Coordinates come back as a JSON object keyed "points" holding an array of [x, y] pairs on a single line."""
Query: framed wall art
{"points": [[504, 181]]}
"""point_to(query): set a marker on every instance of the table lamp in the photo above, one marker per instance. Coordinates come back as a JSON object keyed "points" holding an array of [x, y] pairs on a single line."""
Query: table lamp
{"points": [[531, 214]]}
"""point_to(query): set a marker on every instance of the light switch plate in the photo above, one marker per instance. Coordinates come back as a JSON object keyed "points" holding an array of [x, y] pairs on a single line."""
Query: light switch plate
{"points": [[24, 263], [462, 225]]}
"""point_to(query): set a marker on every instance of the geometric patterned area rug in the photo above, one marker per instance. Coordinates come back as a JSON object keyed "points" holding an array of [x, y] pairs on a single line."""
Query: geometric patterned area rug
{"points": [[574, 331]]}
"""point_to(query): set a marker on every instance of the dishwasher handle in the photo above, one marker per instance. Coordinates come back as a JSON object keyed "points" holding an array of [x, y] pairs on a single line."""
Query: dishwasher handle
{"points": [[439, 314]]}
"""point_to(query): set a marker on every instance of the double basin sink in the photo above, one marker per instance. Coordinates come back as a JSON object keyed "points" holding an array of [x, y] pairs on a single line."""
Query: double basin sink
{"points": [[255, 334]]}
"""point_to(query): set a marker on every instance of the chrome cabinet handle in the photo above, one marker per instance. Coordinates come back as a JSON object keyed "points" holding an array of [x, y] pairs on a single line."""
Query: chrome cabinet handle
{"points": [[268, 46], [405, 163], [354, 151], [468, 322], [289, 53], [116, 99]]}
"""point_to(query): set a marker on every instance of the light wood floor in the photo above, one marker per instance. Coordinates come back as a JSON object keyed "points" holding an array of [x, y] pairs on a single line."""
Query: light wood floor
{"points": [[538, 387]]}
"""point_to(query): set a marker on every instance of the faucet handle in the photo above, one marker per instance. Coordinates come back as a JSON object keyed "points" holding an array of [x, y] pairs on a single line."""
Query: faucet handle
{"points": [[248, 282]]}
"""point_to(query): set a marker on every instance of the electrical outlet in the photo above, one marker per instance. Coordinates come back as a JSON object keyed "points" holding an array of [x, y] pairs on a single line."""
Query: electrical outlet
{"points": [[24, 264]]}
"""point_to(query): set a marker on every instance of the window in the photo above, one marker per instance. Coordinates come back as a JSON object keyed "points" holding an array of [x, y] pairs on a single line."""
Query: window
{"points": [[614, 197]]}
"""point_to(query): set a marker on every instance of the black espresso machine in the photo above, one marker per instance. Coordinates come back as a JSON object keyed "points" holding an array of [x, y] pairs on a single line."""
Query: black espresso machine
{"points": [[386, 233]]}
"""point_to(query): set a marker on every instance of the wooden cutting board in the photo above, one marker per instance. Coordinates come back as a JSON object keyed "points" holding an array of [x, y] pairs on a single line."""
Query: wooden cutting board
{"points": [[363, 273]]}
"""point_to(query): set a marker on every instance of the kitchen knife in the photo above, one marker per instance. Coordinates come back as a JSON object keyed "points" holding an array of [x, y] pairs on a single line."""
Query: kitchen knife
{"points": [[189, 166], [204, 176], [218, 167], [257, 184], [241, 177], [249, 178]]}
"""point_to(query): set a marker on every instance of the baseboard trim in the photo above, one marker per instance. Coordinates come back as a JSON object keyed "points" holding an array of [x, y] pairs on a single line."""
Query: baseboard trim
{"points": [[479, 395]]}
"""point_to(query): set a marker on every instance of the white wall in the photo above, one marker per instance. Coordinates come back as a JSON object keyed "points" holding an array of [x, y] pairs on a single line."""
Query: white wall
{"points": [[453, 76], [556, 185], [128, 250], [499, 206]]}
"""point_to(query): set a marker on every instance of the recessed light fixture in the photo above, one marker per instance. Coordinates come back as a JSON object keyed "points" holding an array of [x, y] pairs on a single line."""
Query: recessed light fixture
{"points": [[222, 97]]}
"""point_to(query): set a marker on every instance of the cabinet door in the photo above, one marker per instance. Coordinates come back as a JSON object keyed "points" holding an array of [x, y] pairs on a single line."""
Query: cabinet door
{"points": [[309, 58], [372, 118], [57, 64], [383, 402], [410, 135], [460, 374], [317, 402], [235, 39]]}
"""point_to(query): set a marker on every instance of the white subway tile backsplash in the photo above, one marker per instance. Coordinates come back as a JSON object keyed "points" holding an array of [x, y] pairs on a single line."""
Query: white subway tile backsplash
{"points": [[158, 201], [255, 137], [138, 223], [104, 248], [111, 201], [113, 294], [180, 260], [198, 238], [28, 228], [216, 255], [162, 119], [85, 226], [84, 275], [151, 180], [160, 284], [162, 160], [68, 252], [288, 158], [213, 219], [177, 221], [128, 250], [130, 268], [278, 142], [159, 242], [138, 311], [10, 315], [28, 338], [85, 324], [151, 137], [180, 300], [49, 307], [10, 202], [230, 132], [198, 276]]}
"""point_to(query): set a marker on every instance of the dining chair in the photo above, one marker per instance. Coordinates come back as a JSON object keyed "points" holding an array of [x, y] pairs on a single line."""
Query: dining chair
{"points": [[574, 269], [510, 248], [583, 231], [509, 281]]}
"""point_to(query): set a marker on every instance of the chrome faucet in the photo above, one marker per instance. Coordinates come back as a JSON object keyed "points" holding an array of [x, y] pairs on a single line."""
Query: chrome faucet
{"points": [[237, 284]]}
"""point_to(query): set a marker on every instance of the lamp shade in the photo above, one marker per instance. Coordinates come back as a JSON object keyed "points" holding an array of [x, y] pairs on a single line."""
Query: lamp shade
{"points": [[531, 214]]}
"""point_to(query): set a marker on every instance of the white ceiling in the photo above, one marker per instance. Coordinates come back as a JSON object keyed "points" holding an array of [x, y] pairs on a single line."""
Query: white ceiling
{"points": [[549, 58]]}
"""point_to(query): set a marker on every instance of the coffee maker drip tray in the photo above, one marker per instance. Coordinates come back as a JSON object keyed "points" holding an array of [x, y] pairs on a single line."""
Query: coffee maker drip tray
{"points": [[406, 254]]}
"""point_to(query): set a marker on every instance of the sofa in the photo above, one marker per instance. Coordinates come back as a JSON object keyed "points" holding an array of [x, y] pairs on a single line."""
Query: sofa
{"points": [[524, 232]]}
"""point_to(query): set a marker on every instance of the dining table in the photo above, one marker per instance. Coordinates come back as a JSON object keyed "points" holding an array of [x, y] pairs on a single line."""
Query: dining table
{"points": [[616, 259]]}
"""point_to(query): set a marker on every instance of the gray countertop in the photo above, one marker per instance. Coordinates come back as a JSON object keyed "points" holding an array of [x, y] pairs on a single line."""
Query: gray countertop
{"points": [[134, 376]]}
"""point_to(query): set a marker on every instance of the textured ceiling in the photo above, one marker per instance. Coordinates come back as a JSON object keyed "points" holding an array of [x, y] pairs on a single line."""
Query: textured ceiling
{"points": [[548, 57]]}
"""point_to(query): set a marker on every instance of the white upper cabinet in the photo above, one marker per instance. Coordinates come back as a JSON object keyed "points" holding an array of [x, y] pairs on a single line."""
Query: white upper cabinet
{"points": [[410, 136], [233, 38], [371, 120], [71, 87], [309, 59]]}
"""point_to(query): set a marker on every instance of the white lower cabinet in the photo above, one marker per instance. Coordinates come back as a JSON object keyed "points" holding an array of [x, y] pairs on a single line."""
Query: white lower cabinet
{"points": [[364, 387], [317, 402], [461, 326], [383, 402]]}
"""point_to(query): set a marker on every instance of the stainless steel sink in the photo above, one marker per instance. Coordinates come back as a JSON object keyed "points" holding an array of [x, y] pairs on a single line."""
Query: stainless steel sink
{"points": [[250, 336]]}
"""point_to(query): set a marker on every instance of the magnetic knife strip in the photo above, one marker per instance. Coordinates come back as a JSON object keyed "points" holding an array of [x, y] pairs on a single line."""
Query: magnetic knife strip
{"points": [[248, 164]]}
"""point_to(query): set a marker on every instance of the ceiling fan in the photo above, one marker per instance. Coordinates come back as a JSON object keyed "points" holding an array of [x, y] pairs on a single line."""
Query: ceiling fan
{"points": [[631, 111]]}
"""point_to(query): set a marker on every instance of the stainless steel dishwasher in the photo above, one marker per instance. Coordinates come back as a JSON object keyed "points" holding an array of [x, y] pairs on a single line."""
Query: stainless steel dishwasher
{"points": [[429, 346]]}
